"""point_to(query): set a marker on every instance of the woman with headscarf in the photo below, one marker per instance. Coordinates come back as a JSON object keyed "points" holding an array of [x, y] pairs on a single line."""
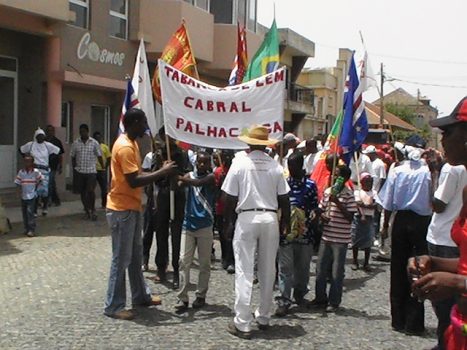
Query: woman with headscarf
{"points": [[40, 150]]}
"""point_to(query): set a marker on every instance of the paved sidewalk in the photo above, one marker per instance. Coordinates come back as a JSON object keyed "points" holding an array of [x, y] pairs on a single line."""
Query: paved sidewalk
{"points": [[65, 209], [52, 290]]}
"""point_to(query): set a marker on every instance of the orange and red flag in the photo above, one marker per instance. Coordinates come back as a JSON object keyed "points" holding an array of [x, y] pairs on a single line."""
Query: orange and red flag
{"points": [[177, 53]]}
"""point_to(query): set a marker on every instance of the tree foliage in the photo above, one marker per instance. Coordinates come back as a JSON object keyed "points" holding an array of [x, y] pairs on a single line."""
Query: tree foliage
{"points": [[405, 113]]}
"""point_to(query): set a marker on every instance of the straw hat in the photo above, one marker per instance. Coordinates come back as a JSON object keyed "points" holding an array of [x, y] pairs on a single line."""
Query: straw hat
{"points": [[257, 135]]}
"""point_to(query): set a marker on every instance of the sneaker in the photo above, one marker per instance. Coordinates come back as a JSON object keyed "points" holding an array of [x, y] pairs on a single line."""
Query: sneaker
{"points": [[332, 308], [181, 307], [230, 269], [145, 267], [376, 243], [122, 315], [232, 329], [30, 234], [198, 303], [355, 267], [281, 311]]}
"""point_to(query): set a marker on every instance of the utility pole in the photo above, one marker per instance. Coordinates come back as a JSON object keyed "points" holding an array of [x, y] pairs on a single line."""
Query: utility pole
{"points": [[381, 99]]}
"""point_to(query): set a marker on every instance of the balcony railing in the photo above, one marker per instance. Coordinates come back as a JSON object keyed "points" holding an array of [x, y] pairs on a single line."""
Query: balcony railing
{"points": [[301, 94]]}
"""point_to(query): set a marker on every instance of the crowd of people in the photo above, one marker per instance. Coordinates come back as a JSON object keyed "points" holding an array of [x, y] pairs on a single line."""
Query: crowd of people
{"points": [[273, 210], [90, 158]]}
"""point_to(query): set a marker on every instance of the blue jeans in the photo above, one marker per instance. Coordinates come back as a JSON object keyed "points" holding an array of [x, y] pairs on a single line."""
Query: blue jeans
{"points": [[331, 257], [127, 253], [28, 207], [443, 307], [294, 272]]}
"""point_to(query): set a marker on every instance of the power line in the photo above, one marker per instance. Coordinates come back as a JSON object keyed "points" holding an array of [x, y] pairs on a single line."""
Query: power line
{"points": [[417, 59], [403, 58], [429, 84]]}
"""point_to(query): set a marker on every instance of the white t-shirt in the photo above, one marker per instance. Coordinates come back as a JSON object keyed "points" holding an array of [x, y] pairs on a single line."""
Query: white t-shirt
{"points": [[452, 180], [367, 198], [147, 162], [309, 163], [364, 166], [40, 151], [256, 179], [379, 173]]}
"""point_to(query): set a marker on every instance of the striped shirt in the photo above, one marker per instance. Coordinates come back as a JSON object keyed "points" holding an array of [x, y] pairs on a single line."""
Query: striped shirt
{"points": [[28, 180], [337, 230]]}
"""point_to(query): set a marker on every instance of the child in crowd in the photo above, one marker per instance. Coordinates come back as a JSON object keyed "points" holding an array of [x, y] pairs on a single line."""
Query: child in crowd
{"points": [[338, 206], [197, 230], [362, 226], [295, 249], [27, 180]]}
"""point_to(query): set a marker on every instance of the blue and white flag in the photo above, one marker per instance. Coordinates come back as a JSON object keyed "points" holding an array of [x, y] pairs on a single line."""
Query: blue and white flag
{"points": [[355, 123], [130, 101]]}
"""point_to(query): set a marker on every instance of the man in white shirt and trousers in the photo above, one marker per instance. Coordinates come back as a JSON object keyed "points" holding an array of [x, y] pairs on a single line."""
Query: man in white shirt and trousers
{"points": [[255, 189]]}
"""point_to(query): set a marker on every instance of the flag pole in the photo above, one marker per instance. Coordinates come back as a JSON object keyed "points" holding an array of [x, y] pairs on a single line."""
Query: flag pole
{"points": [[195, 66], [172, 192]]}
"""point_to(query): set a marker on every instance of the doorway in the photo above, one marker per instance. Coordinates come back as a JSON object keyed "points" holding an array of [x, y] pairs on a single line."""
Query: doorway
{"points": [[8, 121]]}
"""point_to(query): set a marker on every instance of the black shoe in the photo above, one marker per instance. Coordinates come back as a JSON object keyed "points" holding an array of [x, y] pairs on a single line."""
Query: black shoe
{"points": [[230, 269], [181, 307], [225, 264], [198, 303], [281, 311], [415, 332], [176, 281], [317, 304], [232, 329]]}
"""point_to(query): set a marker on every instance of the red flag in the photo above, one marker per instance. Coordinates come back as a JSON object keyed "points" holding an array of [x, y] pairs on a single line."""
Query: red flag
{"points": [[241, 59], [321, 175], [177, 53]]}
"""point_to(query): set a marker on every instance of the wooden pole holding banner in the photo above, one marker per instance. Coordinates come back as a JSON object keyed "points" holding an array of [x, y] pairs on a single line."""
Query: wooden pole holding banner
{"points": [[172, 191], [356, 158]]}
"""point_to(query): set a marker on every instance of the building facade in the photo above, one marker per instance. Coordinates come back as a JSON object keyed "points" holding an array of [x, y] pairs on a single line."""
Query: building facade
{"points": [[65, 62]]}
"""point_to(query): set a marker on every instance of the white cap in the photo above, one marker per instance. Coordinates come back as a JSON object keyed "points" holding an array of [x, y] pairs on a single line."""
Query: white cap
{"points": [[369, 149], [302, 144]]}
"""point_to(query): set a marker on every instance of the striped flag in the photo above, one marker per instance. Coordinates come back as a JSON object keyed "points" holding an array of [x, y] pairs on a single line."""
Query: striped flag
{"points": [[241, 59], [355, 123], [130, 101], [321, 175]]}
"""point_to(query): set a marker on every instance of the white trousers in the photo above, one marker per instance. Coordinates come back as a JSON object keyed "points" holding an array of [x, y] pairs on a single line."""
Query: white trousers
{"points": [[254, 231]]}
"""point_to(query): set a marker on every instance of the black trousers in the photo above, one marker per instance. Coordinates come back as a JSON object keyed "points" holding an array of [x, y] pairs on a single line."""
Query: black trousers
{"points": [[162, 226], [148, 229], [408, 238], [226, 244], [101, 178]]}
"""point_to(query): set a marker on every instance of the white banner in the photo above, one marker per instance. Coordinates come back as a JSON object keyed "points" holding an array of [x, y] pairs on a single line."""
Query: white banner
{"points": [[209, 116]]}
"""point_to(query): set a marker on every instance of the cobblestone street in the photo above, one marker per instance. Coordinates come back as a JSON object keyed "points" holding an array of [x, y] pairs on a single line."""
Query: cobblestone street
{"points": [[52, 290]]}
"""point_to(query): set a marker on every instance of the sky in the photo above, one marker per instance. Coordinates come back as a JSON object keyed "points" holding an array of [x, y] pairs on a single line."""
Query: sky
{"points": [[421, 41]]}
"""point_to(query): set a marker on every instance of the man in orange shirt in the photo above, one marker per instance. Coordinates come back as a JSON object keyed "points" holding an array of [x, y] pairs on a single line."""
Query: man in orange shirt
{"points": [[124, 218]]}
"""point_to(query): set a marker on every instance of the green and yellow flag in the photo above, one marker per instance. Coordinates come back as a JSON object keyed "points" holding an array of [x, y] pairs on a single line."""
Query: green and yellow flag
{"points": [[266, 59]]}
